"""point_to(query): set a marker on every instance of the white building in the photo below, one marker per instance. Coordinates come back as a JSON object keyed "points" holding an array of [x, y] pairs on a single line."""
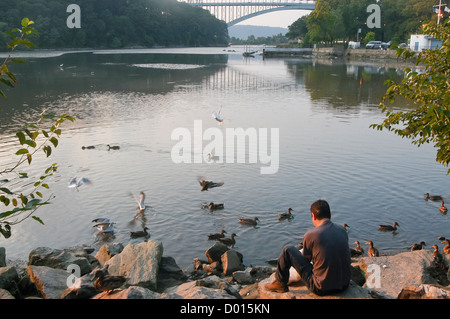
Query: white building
{"points": [[419, 42]]}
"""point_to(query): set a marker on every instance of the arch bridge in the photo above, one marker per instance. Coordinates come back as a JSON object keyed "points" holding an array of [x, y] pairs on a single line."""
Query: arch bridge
{"points": [[235, 11]]}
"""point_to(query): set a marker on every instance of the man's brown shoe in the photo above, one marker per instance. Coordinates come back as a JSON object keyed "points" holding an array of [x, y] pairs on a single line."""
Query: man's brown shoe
{"points": [[277, 286]]}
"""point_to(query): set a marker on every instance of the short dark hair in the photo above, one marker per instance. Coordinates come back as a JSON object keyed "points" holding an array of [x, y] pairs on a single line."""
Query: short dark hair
{"points": [[321, 209]]}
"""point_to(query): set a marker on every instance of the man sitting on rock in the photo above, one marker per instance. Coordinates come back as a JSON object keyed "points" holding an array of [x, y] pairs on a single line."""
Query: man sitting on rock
{"points": [[324, 265]]}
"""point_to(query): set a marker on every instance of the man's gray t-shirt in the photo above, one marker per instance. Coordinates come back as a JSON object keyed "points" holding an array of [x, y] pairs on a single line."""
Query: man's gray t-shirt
{"points": [[327, 247]]}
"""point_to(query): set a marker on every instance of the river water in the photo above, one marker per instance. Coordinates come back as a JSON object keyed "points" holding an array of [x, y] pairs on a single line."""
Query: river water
{"points": [[317, 112]]}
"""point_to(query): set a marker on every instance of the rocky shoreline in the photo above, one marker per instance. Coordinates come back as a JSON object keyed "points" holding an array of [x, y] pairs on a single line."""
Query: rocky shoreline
{"points": [[220, 274]]}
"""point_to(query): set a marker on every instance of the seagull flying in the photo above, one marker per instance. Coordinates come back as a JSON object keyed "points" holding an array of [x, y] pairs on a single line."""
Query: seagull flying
{"points": [[75, 183]]}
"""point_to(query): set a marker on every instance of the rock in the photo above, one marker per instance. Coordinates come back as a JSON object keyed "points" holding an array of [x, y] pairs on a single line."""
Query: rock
{"points": [[425, 292], [132, 292], [231, 261], [299, 291], [50, 282], [5, 294], [192, 290], [215, 252], [250, 292], [387, 275], [8, 277], [2, 257], [244, 277], [139, 263], [107, 251], [170, 274], [60, 258], [82, 288]]}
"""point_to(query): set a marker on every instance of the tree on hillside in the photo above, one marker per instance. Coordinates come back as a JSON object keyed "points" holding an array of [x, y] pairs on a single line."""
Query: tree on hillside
{"points": [[429, 122]]}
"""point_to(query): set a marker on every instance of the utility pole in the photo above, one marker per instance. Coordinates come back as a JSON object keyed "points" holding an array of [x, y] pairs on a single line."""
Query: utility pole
{"points": [[439, 10]]}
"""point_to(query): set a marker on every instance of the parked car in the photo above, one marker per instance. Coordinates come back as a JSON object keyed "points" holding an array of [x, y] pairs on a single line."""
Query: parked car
{"points": [[386, 45], [373, 45]]}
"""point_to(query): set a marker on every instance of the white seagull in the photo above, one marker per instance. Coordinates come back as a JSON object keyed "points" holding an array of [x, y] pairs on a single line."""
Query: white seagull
{"points": [[75, 183], [141, 200], [217, 116]]}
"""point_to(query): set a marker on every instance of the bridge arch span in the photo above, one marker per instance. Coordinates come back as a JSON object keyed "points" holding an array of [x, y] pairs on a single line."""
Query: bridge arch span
{"points": [[235, 11]]}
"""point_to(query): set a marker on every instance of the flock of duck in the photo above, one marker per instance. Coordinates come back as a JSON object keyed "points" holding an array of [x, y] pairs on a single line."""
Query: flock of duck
{"points": [[355, 252]]}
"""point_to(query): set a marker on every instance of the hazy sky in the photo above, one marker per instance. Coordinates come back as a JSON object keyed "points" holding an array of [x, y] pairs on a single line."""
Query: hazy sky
{"points": [[276, 19]]}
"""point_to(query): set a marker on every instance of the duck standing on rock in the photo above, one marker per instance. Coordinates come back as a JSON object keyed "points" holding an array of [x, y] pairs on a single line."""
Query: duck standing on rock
{"points": [[443, 209], [418, 246], [358, 251], [433, 198], [249, 221], [107, 283], [438, 260], [373, 252], [287, 215], [447, 247], [389, 227]]}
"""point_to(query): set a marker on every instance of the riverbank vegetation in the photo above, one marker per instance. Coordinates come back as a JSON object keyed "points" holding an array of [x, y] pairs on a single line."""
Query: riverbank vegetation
{"points": [[115, 24], [340, 20]]}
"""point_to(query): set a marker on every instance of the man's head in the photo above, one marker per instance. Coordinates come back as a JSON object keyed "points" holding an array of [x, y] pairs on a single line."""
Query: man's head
{"points": [[320, 210]]}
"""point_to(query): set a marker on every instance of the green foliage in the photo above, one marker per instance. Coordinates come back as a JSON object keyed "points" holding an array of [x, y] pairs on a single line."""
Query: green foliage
{"points": [[370, 36], [334, 20], [252, 40], [430, 91], [22, 202], [117, 23]]}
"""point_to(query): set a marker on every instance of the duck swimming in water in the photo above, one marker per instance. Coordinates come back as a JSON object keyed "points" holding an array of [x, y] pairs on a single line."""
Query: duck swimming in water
{"points": [[208, 184], [213, 206], [113, 147], [228, 241], [217, 235], [287, 215], [434, 198], [107, 283], [373, 252], [443, 209], [418, 246], [389, 227], [249, 221], [90, 147], [140, 233]]}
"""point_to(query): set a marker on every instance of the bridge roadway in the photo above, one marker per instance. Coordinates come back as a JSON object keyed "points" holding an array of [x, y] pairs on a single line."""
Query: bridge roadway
{"points": [[233, 12]]}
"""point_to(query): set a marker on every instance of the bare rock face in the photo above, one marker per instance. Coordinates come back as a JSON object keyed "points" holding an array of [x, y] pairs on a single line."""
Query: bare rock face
{"points": [[387, 275], [50, 282], [139, 263]]}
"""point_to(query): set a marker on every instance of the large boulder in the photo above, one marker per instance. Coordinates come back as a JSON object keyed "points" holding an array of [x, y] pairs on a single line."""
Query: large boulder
{"points": [[61, 258], [297, 290], [199, 290], [50, 282], [231, 262], [387, 275], [215, 252], [8, 277], [139, 263], [107, 251]]}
